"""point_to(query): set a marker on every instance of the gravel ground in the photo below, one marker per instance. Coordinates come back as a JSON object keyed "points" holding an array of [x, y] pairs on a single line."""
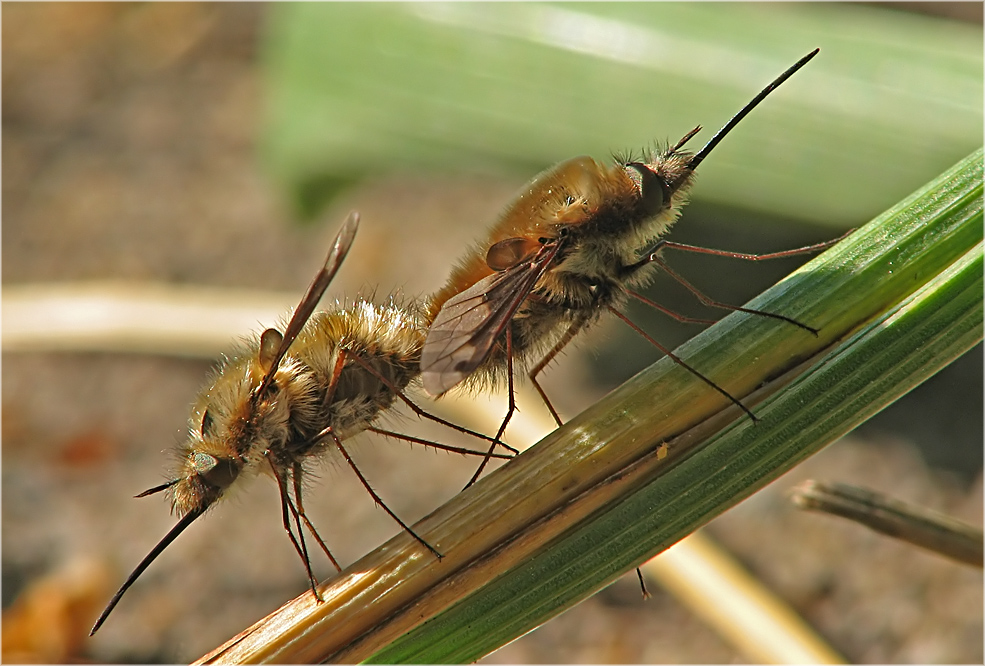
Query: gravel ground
{"points": [[129, 154]]}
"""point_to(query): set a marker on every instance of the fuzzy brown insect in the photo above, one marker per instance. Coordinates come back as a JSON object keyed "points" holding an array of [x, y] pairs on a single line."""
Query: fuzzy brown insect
{"points": [[283, 400], [577, 242]]}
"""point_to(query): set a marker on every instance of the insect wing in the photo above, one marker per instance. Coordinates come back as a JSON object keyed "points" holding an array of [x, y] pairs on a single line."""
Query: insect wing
{"points": [[466, 327], [340, 248]]}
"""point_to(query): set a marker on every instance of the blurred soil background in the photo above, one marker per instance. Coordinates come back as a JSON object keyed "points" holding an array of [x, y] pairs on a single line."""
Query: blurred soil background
{"points": [[130, 153]]}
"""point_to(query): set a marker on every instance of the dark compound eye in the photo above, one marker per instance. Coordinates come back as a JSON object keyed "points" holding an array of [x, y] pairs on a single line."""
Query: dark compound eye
{"points": [[217, 472]]}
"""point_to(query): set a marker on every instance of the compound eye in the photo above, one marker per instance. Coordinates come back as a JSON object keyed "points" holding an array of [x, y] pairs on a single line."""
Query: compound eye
{"points": [[654, 193], [216, 472]]}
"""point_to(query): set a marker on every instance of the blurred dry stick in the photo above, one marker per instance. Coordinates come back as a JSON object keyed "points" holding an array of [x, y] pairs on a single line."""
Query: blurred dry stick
{"points": [[704, 577], [117, 317], [913, 524]]}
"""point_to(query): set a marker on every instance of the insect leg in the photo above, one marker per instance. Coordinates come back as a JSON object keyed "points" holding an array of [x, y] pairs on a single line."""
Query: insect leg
{"points": [[676, 359], [652, 256], [336, 373], [807, 249], [421, 412], [725, 306], [667, 311], [287, 510], [436, 445], [646, 592], [328, 432], [509, 411], [537, 369], [296, 477]]}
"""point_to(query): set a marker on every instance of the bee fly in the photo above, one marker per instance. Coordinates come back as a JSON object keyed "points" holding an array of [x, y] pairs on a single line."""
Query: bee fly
{"points": [[285, 399], [566, 250]]}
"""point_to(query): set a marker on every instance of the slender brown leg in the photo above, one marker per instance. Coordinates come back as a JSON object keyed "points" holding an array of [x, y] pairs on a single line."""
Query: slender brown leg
{"points": [[639, 574], [328, 432], [817, 247], [287, 510], [436, 445], [667, 311], [509, 411], [681, 363], [334, 382], [544, 362], [296, 476], [717, 304], [652, 257], [421, 412]]}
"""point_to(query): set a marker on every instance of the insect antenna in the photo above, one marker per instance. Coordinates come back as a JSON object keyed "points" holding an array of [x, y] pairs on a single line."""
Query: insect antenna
{"points": [[180, 527], [720, 134], [157, 489]]}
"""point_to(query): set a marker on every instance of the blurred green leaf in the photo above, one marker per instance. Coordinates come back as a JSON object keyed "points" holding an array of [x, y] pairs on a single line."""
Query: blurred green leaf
{"points": [[357, 88]]}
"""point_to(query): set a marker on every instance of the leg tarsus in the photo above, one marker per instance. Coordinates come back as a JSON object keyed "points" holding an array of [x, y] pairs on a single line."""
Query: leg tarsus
{"points": [[296, 474], [509, 412], [646, 592], [420, 412], [376, 498], [287, 510], [544, 362]]}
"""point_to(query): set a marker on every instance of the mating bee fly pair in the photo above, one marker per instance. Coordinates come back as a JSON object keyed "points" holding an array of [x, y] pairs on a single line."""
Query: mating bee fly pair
{"points": [[577, 242]]}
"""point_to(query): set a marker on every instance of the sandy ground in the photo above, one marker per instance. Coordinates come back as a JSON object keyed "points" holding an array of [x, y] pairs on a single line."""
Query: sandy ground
{"points": [[129, 139]]}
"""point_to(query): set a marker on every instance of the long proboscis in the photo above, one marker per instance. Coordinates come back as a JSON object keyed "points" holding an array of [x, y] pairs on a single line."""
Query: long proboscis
{"points": [[343, 241], [180, 527], [737, 118]]}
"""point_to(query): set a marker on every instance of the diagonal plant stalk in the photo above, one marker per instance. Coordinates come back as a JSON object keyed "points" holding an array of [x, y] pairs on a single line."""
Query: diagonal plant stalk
{"points": [[660, 456]]}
